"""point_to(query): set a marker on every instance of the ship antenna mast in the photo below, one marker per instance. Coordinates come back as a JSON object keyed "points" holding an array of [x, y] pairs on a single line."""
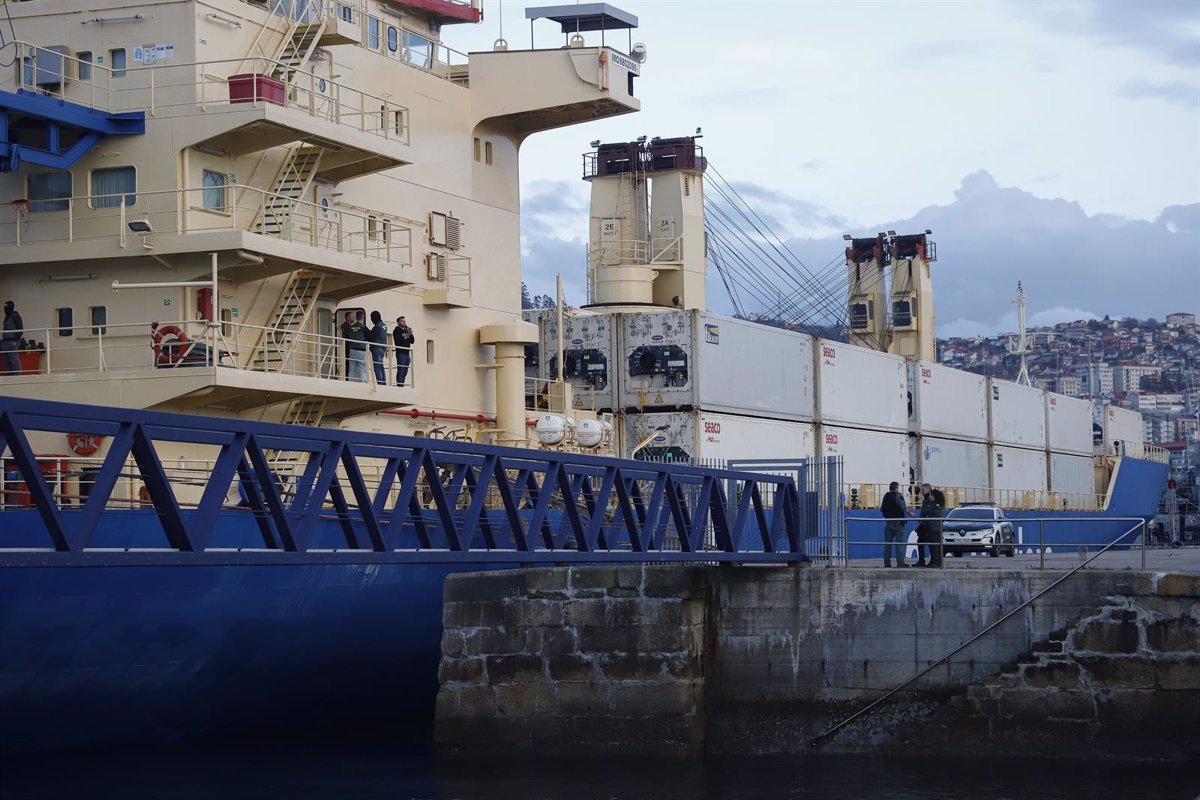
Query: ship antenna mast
{"points": [[1019, 345]]}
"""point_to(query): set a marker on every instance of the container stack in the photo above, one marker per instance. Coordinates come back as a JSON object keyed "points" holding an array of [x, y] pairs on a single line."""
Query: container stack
{"points": [[948, 420], [1069, 450], [862, 407], [1017, 440], [688, 390], [590, 359]]}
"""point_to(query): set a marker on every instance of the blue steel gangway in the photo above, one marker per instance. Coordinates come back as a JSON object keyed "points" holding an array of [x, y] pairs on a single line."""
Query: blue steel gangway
{"points": [[222, 496]]}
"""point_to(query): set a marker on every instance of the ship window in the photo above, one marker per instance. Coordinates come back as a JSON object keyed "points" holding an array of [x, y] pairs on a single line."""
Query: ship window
{"points": [[373, 33], [99, 317], [111, 184], [347, 12], [84, 65], [417, 50], [116, 60], [487, 152], [477, 145], [214, 184], [372, 227], [393, 39], [66, 321], [48, 191], [429, 351], [400, 122]]}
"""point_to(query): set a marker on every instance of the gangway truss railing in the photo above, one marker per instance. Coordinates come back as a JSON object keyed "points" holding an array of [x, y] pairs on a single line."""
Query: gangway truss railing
{"points": [[433, 501]]}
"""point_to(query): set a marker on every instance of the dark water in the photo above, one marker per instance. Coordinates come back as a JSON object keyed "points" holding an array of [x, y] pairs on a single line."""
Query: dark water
{"points": [[398, 773]]}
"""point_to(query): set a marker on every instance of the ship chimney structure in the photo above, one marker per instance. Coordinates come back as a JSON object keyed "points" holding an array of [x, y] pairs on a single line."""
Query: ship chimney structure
{"points": [[912, 317], [866, 263], [647, 224]]}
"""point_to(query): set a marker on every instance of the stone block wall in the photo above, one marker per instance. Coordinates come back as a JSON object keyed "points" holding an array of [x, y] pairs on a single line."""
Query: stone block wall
{"points": [[1123, 681], [554, 659], [679, 660]]}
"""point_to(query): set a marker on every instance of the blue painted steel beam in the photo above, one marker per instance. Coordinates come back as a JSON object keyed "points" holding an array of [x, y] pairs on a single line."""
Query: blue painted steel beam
{"points": [[455, 500], [53, 115]]}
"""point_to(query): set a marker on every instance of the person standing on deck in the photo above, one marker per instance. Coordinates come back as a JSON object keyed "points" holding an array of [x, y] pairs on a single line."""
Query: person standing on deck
{"points": [[14, 329], [403, 338], [896, 513], [377, 336], [355, 334]]}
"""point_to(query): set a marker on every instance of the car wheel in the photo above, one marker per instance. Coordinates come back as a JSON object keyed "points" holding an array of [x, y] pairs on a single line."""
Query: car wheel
{"points": [[993, 551]]}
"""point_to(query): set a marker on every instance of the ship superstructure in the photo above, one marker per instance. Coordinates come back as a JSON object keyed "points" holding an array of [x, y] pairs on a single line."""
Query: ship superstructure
{"points": [[335, 157]]}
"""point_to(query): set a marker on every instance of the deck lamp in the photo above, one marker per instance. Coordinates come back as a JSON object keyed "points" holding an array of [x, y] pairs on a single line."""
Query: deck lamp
{"points": [[140, 226]]}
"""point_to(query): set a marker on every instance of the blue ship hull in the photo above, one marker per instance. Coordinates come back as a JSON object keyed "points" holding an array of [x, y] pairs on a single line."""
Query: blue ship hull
{"points": [[93, 654]]}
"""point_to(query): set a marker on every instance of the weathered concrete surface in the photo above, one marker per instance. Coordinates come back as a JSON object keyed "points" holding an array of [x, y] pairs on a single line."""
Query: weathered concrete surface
{"points": [[679, 660], [1124, 680], [555, 659]]}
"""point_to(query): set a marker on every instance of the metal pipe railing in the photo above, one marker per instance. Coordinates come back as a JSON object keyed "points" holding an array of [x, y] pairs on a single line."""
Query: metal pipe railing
{"points": [[1020, 608]]}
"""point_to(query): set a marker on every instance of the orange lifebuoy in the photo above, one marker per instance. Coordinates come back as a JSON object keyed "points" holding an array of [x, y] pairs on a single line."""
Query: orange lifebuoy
{"points": [[173, 334], [84, 444]]}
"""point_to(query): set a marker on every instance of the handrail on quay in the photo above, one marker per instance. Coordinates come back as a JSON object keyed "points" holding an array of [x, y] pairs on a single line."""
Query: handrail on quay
{"points": [[304, 499], [1140, 523]]}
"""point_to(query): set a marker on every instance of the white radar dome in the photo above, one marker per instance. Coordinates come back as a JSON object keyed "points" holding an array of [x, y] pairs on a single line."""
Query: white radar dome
{"points": [[589, 432], [551, 429]]}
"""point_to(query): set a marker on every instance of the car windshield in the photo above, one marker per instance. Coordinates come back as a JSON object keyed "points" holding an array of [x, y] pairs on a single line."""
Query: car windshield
{"points": [[971, 513]]}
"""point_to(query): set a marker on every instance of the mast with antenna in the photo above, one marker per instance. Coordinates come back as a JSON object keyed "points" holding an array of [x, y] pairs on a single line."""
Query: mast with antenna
{"points": [[1019, 345]]}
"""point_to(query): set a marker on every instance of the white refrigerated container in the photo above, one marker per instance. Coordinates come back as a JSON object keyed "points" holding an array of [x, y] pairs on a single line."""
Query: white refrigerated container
{"points": [[1124, 426], [950, 463], [947, 402], [868, 457], [1070, 473], [696, 360], [1017, 468], [710, 435], [1068, 424], [590, 361], [860, 388], [1016, 414]]}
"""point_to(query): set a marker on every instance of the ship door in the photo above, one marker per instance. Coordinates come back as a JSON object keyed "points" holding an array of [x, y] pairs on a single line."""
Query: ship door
{"points": [[328, 330]]}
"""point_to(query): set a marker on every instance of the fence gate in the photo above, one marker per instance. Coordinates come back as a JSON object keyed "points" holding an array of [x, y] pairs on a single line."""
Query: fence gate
{"points": [[822, 507]]}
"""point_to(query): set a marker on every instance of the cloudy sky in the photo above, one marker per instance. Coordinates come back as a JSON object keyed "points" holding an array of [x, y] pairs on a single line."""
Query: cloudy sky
{"points": [[1053, 142]]}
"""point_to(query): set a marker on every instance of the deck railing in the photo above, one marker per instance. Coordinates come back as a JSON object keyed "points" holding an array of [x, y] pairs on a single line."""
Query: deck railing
{"points": [[232, 207], [169, 89], [162, 349]]}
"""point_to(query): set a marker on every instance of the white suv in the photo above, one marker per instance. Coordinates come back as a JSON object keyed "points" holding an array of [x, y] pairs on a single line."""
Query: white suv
{"points": [[979, 528]]}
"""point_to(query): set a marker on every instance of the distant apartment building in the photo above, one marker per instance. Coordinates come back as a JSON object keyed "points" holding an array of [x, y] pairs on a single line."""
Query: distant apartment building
{"points": [[1180, 320], [1069, 385], [1097, 379], [1128, 377], [1172, 402], [1159, 426]]}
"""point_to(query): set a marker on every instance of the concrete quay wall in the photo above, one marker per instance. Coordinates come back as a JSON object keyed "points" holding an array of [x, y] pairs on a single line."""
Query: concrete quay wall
{"points": [[683, 660]]}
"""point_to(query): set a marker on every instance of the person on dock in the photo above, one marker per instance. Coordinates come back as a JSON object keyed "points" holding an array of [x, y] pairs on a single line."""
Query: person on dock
{"points": [[929, 530], [377, 336], [896, 513], [14, 329], [403, 338]]}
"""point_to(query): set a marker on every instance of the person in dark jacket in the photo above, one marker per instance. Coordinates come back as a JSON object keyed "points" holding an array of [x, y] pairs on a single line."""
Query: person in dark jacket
{"points": [[929, 531], [354, 331], [896, 513], [377, 336], [403, 338], [14, 329]]}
